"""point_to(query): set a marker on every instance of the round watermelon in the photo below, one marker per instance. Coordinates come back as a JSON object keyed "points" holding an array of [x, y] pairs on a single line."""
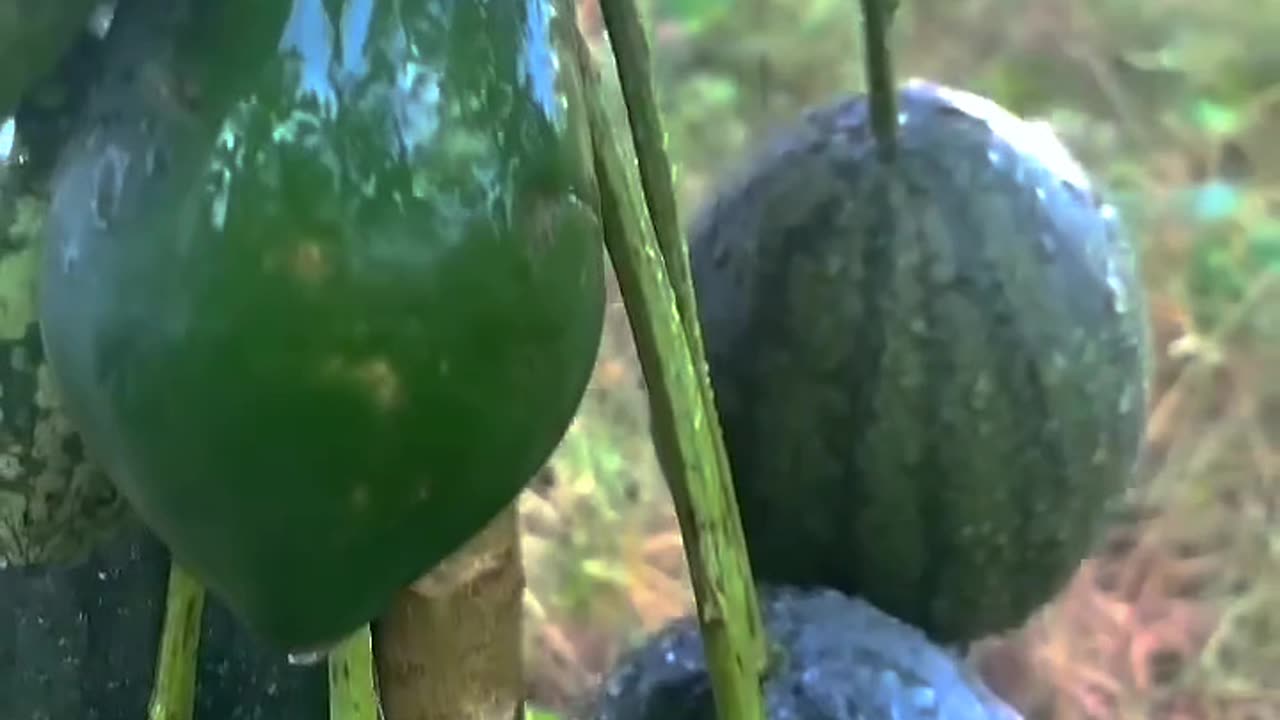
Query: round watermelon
{"points": [[931, 371], [79, 642], [834, 658], [323, 290]]}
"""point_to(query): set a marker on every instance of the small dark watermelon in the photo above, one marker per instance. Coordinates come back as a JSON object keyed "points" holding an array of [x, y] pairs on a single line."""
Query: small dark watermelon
{"points": [[323, 290], [931, 373], [835, 658], [79, 642]]}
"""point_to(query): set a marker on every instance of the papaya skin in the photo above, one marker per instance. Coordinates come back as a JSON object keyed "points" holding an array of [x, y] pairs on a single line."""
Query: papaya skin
{"points": [[323, 308], [33, 36]]}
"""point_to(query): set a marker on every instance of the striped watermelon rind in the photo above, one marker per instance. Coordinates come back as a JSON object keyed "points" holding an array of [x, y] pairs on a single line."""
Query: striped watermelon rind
{"points": [[931, 374]]}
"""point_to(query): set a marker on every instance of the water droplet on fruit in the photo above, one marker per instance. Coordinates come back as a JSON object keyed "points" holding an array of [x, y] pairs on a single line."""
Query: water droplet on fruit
{"points": [[107, 183], [8, 131], [1126, 400], [981, 391], [924, 697], [903, 117], [1048, 246], [101, 18], [308, 658], [1117, 300], [890, 680], [1100, 456], [993, 157], [1041, 195]]}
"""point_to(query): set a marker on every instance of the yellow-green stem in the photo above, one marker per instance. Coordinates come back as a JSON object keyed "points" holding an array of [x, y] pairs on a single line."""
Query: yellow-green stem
{"points": [[686, 431], [173, 696], [353, 691]]}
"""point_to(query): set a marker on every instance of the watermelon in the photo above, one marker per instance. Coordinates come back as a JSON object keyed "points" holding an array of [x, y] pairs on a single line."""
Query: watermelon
{"points": [[931, 372], [79, 641], [835, 658], [323, 290]]}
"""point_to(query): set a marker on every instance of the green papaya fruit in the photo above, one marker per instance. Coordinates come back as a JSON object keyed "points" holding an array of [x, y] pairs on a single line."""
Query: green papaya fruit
{"points": [[931, 372], [82, 585], [33, 36], [324, 286]]}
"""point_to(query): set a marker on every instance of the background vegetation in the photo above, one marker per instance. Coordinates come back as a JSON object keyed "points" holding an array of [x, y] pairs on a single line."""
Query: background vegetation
{"points": [[1174, 105]]}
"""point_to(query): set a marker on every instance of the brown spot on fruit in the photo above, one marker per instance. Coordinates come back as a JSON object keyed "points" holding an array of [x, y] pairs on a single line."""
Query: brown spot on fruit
{"points": [[376, 377], [309, 263]]}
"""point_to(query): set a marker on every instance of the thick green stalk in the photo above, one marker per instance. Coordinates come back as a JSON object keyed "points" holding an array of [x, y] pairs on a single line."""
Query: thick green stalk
{"points": [[173, 696], [881, 93], [353, 691], [631, 55], [686, 433]]}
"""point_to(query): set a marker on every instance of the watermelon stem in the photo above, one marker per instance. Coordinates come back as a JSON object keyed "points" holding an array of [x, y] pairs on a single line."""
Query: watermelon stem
{"points": [[173, 695], [877, 16], [651, 264]]}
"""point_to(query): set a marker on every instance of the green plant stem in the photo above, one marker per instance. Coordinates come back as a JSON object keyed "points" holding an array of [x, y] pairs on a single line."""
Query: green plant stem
{"points": [[686, 433], [631, 55], [353, 691], [173, 696], [881, 93]]}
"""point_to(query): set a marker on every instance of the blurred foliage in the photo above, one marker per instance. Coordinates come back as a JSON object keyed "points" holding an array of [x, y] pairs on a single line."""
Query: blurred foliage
{"points": [[1173, 105]]}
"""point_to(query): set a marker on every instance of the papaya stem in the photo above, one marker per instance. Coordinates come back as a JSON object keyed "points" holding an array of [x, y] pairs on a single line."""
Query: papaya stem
{"points": [[449, 646], [881, 93], [353, 691], [173, 696], [685, 426]]}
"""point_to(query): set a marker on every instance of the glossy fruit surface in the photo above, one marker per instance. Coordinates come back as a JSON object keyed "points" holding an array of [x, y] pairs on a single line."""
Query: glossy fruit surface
{"points": [[325, 285], [932, 372], [79, 642], [55, 504], [835, 658]]}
